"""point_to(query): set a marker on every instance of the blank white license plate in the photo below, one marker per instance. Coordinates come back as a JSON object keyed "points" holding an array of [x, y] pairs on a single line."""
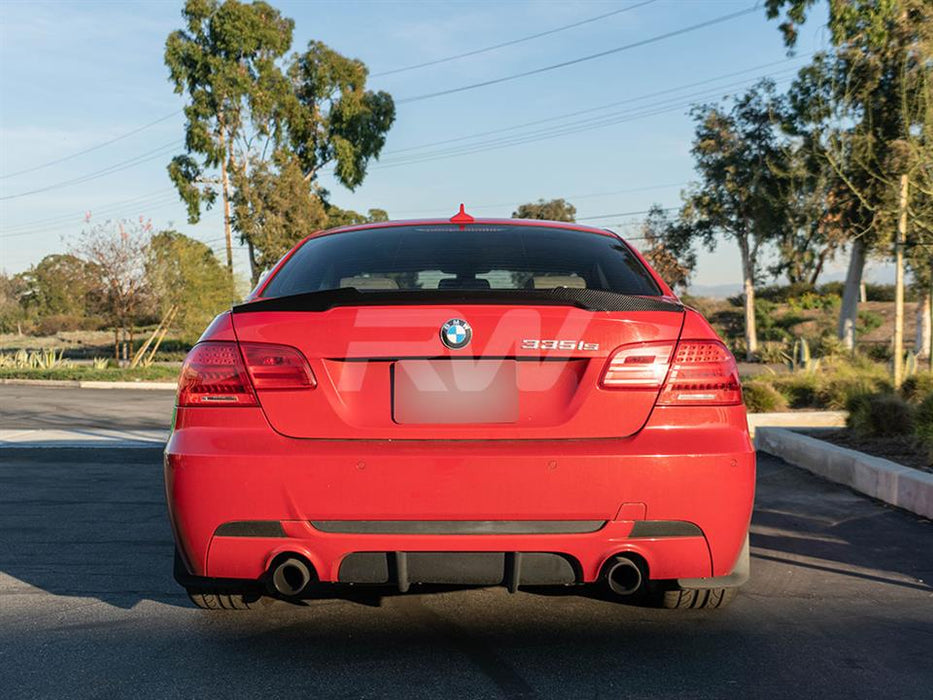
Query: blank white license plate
{"points": [[455, 391]]}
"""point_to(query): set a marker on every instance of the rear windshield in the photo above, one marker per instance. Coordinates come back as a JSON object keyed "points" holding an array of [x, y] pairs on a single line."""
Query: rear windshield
{"points": [[473, 257]]}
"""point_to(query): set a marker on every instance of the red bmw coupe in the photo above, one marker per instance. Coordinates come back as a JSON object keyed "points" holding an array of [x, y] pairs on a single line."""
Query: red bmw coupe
{"points": [[464, 401]]}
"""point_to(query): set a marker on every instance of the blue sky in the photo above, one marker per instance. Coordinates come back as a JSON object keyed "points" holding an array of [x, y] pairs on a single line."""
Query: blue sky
{"points": [[76, 74]]}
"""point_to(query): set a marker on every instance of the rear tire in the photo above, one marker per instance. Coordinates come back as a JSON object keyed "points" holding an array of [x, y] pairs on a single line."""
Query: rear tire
{"points": [[697, 598], [207, 600]]}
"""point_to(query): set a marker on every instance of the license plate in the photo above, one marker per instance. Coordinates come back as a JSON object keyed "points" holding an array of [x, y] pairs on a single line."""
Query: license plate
{"points": [[455, 391]]}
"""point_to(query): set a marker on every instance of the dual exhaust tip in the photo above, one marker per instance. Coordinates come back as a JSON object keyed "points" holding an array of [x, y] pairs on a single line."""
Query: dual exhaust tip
{"points": [[293, 575]]}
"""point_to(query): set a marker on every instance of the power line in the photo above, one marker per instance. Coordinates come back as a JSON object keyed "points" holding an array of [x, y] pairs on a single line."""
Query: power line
{"points": [[623, 214], [599, 107], [512, 42], [153, 204], [62, 218], [116, 167], [569, 198], [590, 57], [544, 134], [92, 148]]}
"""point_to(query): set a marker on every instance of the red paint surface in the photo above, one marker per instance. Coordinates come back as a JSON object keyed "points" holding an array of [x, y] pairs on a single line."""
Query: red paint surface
{"points": [[576, 452]]}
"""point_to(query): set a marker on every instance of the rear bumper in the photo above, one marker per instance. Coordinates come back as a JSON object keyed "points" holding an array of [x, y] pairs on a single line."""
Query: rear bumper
{"points": [[331, 499]]}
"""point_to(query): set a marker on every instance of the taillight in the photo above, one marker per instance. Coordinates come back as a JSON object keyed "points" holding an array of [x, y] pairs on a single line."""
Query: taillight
{"points": [[273, 367], [703, 373], [217, 374], [638, 366], [214, 374], [698, 372]]}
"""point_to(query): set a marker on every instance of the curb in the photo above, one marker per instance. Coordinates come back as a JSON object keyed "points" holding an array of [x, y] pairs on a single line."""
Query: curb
{"points": [[82, 437], [895, 484], [82, 384], [796, 419]]}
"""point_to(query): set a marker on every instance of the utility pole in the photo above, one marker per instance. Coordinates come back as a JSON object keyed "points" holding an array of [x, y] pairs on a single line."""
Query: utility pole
{"points": [[899, 285]]}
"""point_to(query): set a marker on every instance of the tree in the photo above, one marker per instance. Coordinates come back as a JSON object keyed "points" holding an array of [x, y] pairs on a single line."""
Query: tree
{"points": [[12, 313], [552, 210], [738, 159], [668, 247], [225, 62], [184, 274], [347, 217], [118, 252], [812, 232], [273, 210], [60, 284], [871, 95], [258, 116]]}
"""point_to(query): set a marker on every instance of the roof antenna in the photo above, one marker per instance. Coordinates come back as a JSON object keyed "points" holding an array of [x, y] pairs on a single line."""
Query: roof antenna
{"points": [[461, 217]]}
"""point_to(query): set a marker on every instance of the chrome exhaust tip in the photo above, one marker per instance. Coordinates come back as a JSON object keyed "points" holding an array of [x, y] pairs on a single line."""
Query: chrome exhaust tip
{"points": [[291, 577], [624, 576]]}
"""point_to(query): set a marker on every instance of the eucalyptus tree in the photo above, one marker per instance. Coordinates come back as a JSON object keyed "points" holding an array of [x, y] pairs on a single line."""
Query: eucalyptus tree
{"points": [[224, 61], [869, 99], [269, 121], [738, 158]]}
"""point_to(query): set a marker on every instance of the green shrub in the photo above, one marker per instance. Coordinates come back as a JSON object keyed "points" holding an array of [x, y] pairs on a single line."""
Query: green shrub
{"points": [[917, 387], [923, 425], [832, 383], [771, 352], [844, 380], [880, 415], [761, 397], [885, 292], [799, 389], [878, 352], [783, 292], [836, 288], [868, 321], [829, 345], [768, 325]]}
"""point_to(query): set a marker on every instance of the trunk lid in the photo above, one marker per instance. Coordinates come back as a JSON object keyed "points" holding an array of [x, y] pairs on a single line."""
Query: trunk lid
{"points": [[529, 371]]}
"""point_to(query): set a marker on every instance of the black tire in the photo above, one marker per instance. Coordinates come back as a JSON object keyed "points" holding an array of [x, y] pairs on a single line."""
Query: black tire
{"points": [[697, 598], [207, 600]]}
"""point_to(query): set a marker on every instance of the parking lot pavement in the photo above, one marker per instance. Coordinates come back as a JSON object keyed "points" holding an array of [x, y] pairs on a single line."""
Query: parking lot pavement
{"points": [[54, 407], [838, 606]]}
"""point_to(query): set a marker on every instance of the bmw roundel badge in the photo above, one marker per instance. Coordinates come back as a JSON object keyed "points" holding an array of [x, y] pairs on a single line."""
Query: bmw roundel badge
{"points": [[456, 333]]}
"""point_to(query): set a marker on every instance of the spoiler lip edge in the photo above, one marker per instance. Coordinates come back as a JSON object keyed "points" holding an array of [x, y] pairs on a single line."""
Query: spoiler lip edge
{"points": [[586, 299]]}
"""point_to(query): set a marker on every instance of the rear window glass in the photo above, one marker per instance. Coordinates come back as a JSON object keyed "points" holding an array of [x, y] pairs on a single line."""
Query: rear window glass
{"points": [[469, 258]]}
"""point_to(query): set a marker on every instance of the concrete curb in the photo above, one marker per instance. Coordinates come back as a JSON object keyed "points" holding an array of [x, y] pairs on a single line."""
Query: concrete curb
{"points": [[81, 384], [82, 437], [796, 419], [910, 489]]}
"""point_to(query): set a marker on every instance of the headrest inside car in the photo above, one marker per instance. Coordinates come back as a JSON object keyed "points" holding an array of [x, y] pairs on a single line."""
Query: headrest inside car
{"points": [[369, 282], [552, 281], [464, 283]]}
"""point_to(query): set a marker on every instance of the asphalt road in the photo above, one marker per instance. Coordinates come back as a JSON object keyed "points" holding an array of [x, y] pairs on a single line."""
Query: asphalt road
{"points": [[838, 606], [36, 407]]}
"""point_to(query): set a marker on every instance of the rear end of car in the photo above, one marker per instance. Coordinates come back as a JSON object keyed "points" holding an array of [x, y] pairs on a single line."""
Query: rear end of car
{"points": [[484, 403]]}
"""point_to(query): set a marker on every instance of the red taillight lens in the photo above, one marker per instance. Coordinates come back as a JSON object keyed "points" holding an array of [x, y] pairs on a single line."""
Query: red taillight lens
{"points": [[276, 367], [638, 366], [214, 375], [703, 373]]}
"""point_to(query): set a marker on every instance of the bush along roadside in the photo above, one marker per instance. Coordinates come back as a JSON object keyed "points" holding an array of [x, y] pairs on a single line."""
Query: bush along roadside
{"points": [[906, 416], [826, 384], [87, 373]]}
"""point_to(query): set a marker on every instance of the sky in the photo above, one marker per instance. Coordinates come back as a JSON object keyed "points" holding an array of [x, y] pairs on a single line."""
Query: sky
{"points": [[611, 134]]}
